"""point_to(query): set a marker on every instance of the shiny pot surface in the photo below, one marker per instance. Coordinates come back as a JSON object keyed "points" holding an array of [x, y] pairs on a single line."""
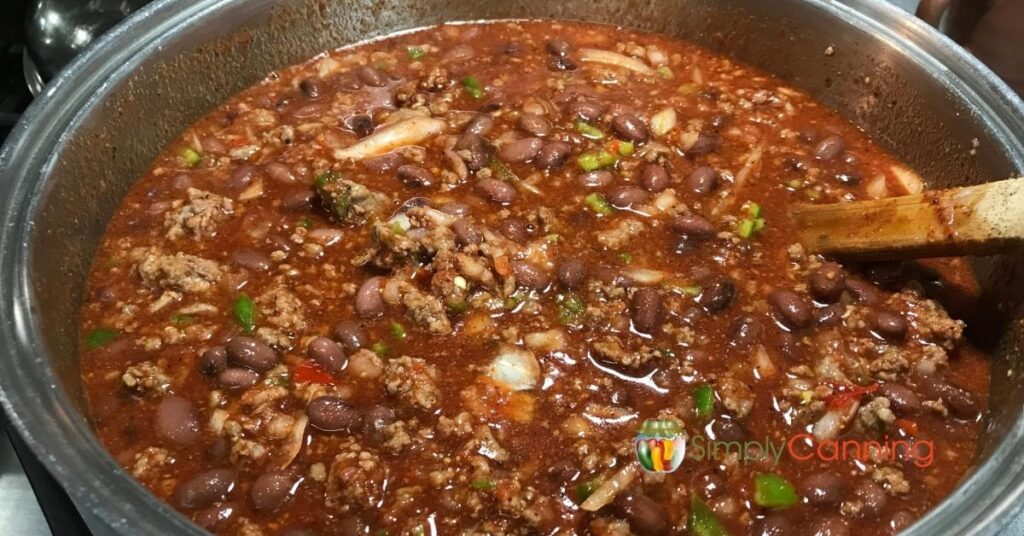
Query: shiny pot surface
{"points": [[93, 131]]}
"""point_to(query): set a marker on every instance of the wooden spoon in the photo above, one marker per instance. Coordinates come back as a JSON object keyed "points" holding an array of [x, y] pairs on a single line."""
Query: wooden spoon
{"points": [[974, 220]]}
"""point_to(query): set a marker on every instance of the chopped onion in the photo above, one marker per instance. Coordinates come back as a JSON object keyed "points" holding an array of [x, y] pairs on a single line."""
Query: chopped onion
{"points": [[912, 182], [607, 57], [752, 160], [645, 276], [402, 220], [763, 366], [609, 489], [388, 138], [514, 369], [552, 340], [876, 188], [663, 121], [252, 192], [295, 441], [833, 421]]}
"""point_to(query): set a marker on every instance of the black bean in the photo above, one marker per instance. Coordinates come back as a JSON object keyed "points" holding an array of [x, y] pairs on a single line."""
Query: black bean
{"points": [[773, 525], [744, 331], [514, 229], [645, 307], [903, 400], [654, 178], [847, 178], [456, 209], [888, 324], [561, 470], [251, 353], [726, 429], [385, 163], [312, 87], [702, 180], [299, 200], [872, 495], [348, 81], [552, 155], [530, 275], [562, 63], [479, 125], [828, 282], [271, 490], [242, 177], [328, 354], [206, 488], [411, 175], [557, 47], [360, 124], [237, 378], [958, 400], [467, 232], [631, 128], [822, 488], [219, 451], [369, 302], [693, 226], [646, 517], [792, 309], [829, 148], [376, 419], [176, 421], [475, 150], [829, 316], [627, 196], [808, 135], [493, 105], [572, 273], [595, 179], [862, 292], [717, 121], [717, 295], [350, 334], [332, 414], [830, 526], [496, 191], [586, 109], [216, 517], [251, 259], [707, 142], [371, 76], [534, 124], [521, 150], [413, 202], [214, 360]]}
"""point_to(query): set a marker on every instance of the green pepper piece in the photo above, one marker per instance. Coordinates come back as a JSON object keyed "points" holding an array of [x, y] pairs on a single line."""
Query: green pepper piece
{"points": [[626, 148], [745, 228], [599, 204], [473, 88], [704, 400], [773, 491], [703, 521], [380, 348], [483, 484], [100, 337], [589, 131], [415, 53], [569, 307], [585, 489], [191, 156], [398, 331], [245, 313]]}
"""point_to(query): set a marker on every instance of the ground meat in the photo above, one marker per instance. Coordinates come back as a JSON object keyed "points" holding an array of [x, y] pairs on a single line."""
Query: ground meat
{"points": [[413, 380], [398, 437], [282, 314], [148, 463], [356, 478], [484, 444], [199, 217], [425, 310], [146, 378], [610, 349], [892, 480], [931, 321], [180, 272], [620, 234], [392, 246], [351, 202], [736, 396], [875, 416]]}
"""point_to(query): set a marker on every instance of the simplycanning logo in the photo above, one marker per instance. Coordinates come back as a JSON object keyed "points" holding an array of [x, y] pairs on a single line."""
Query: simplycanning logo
{"points": [[661, 448]]}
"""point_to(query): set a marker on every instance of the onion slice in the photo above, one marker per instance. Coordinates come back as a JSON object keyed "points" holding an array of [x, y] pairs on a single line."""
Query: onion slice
{"points": [[609, 489], [408, 132], [607, 57], [514, 369]]}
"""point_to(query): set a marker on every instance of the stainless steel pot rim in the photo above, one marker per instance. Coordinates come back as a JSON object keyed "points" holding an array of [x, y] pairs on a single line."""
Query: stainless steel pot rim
{"points": [[980, 506]]}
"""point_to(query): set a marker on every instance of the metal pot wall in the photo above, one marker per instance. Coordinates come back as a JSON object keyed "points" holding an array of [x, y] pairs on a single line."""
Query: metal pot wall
{"points": [[96, 128]]}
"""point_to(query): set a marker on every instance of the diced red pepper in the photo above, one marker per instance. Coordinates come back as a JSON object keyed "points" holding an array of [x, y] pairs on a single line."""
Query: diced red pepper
{"points": [[848, 394], [907, 425], [310, 372]]}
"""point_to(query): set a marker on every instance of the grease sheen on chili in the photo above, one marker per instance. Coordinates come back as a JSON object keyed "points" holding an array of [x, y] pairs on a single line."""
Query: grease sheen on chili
{"points": [[437, 282]]}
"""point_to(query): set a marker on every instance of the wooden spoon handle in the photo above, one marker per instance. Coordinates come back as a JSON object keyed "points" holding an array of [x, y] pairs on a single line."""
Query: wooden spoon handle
{"points": [[975, 220]]}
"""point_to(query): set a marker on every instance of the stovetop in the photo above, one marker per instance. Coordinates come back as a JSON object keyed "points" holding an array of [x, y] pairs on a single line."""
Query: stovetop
{"points": [[31, 502]]}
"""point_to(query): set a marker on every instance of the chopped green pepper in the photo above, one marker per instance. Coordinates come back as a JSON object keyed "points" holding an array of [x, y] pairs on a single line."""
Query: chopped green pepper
{"points": [[569, 307], [415, 53], [191, 156], [626, 148], [585, 489], [245, 313], [516, 298], [327, 177], [483, 484], [773, 491], [502, 171], [398, 331], [459, 307], [703, 521], [704, 400], [626, 257], [589, 131], [473, 88], [380, 348], [396, 228], [752, 209], [666, 72], [305, 223], [100, 337], [599, 204]]}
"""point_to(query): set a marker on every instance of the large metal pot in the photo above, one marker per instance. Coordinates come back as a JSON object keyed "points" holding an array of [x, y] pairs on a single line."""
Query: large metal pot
{"points": [[96, 128]]}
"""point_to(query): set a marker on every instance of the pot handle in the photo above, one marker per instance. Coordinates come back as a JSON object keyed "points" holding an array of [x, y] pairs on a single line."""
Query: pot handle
{"points": [[931, 11]]}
